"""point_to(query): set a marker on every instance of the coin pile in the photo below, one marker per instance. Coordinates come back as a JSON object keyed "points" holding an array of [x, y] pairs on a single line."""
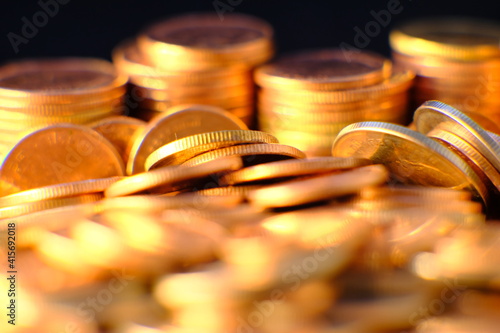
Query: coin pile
{"points": [[196, 59], [457, 61], [39, 93], [307, 98]]}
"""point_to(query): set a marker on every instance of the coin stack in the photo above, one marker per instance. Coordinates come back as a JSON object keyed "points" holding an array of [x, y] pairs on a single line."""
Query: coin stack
{"points": [[457, 61], [38, 93], [307, 98], [196, 59]]}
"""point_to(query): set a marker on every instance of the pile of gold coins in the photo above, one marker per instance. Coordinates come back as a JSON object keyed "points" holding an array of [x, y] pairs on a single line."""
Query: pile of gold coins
{"points": [[196, 59], [307, 98], [333, 218], [456, 60], [38, 93]]}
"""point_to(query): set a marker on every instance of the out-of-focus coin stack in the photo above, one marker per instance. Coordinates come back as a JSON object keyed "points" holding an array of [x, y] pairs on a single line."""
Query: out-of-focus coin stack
{"points": [[196, 59], [307, 98], [39, 93], [456, 60]]}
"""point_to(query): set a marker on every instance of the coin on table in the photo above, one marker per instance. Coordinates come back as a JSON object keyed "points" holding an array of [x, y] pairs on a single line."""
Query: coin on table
{"points": [[119, 130], [179, 151], [318, 188], [292, 168], [411, 157], [251, 154], [324, 70], [177, 123], [58, 154], [433, 113], [169, 178], [58, 191]]}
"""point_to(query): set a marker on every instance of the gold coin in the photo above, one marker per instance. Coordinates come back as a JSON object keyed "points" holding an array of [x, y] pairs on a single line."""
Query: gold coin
{"points": [[168, 178], [200, 41], [399, 82], [432, 113], [179, 122], [318, 188], [411, 157], [425, 192], [471, 155], [119, 130], [31, 207], [58, 154], [452, 38], [181, 150], [228, 190], [291, 168], [59, 81], [58, 191], [324, 70], [251, 154]]}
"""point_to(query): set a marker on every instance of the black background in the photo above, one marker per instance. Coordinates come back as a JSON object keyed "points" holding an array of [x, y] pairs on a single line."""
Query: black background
{"points": [[93, 28]]}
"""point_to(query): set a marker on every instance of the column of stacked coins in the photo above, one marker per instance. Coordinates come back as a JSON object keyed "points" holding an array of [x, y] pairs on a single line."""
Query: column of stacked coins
{"points": [[317, 244], [196, 59], [307, 98], [38, 93], [456, 60]]}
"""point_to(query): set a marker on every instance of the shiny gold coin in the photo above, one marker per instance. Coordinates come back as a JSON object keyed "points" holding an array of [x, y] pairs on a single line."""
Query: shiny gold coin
{"points": [[119, 130], [31, 207], [58, 191], [169, 177], [58, 154], [428, 193], [242, 190], [251, 154], [328, 69], [179, 151], [176, 124], [59, 81], [399, 82], [471, 154], [411, 157], [318, 188], [201, 41], [432, 113], [452, 38], [292, 168]]}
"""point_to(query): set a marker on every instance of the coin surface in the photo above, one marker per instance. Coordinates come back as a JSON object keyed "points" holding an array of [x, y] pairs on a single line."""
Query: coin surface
{"points": [[181, 150], [58, 154], [169, 177], [317, 188], [410, 156], [119, 130], [324, 70], [176, 124]]}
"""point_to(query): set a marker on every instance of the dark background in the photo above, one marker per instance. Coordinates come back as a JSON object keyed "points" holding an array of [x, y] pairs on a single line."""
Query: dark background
{"points": [[93, 28]]}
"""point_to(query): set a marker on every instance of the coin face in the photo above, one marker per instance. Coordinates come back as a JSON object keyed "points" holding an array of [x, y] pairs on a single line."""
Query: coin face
{"points": [[119, 130], [324, 70], [49, 79], [58, 154], [411, 157], [176, 124]]}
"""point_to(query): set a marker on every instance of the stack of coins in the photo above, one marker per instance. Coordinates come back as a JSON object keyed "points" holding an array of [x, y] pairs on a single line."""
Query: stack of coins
{"points": [[456, 60], [307, 98], [198, 59], [38, 93]]}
